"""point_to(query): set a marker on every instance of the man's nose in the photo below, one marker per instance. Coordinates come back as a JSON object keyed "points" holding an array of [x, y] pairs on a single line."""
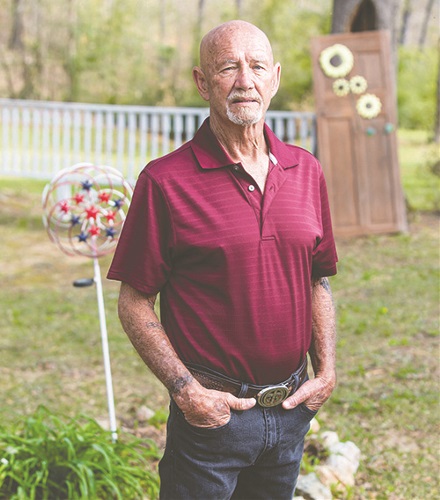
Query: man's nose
{"points": [[244, 79]]}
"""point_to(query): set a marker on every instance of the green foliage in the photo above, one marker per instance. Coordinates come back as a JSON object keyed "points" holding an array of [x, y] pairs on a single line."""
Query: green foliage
{"points": [[290, 30], [101, 44], [314, 454], [44, 457], [420, 182], [387, 397], [159, 418], [416, 87], [131, 52]]}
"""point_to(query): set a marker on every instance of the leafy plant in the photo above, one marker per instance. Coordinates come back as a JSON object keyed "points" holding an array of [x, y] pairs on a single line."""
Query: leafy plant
{"points": [[45, 457], [314, 454], [159, 418], [416, 89], [417, 159]]}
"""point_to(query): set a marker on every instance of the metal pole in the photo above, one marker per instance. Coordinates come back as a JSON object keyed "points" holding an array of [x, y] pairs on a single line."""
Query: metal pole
{"points": [[105, 350]]}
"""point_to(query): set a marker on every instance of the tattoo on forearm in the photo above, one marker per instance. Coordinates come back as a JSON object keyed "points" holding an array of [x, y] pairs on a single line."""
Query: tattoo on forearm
{"points": [[155, 325], [322, 284], [325, 284], [180, 383]]}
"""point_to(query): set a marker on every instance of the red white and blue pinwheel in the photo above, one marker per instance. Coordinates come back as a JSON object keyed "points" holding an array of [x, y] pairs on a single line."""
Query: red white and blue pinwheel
{"points": [[84, 209]]}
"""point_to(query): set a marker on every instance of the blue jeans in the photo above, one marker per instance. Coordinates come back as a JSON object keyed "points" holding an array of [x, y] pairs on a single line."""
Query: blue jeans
{"points": [[256, 455]]}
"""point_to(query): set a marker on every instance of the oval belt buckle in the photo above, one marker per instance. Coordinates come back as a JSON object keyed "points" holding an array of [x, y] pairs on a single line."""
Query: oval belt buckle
{"points": [[272, 396]]}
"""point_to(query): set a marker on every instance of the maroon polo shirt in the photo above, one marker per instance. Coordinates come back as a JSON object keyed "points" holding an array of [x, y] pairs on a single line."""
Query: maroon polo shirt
{"points": [[233, 265]]}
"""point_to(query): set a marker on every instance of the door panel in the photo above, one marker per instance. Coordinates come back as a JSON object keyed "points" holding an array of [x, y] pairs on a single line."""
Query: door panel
{"points": [[359, 155], [341, 181]]}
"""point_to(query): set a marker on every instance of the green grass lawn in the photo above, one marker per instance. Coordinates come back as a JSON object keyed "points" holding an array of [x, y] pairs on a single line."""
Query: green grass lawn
{"points": [[387, 298]]}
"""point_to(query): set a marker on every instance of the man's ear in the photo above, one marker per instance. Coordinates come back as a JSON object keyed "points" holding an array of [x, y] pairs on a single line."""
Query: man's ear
{"points": [[201, 83], [276, 78]]}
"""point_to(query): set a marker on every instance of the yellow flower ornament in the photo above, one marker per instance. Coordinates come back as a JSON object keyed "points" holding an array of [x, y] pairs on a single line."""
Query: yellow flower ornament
{"points": [[336, 61], [368, 106], [358, 84], [341, 87]]}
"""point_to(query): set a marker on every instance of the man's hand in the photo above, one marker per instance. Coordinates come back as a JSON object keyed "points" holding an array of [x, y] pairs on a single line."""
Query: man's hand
{"points": [[201, 407], [208, 408], [313, 393]]}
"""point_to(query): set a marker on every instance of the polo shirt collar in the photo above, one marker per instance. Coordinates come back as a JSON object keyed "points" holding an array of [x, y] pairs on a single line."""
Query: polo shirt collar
{"points": [[210, 153]]}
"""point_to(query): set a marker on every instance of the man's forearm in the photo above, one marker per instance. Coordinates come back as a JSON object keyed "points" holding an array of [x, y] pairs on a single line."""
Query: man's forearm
{"points": [[146, 333], [201, 407], [323, 346]]}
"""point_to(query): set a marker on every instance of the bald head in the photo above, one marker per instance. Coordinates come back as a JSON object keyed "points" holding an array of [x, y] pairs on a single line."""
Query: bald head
{"points": [[238, 31]]}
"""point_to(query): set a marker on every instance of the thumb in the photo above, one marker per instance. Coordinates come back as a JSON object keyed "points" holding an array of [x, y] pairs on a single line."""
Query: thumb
{"points": [[240, 403], [297, 397]]}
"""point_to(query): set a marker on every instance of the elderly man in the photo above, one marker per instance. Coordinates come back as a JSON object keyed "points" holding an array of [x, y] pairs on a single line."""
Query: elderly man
{"points": [[233, 229]]}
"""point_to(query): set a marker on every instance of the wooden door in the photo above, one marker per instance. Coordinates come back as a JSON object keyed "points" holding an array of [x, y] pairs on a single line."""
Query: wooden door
{"points": [[357, 143]]}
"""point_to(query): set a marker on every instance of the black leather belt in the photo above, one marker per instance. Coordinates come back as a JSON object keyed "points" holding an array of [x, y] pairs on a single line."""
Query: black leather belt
{"points": [[266, 395]]}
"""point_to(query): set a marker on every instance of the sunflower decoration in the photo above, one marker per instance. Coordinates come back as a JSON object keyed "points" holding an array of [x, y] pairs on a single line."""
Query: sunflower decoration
{"points": [[336, 61], [368, 106], [341, 87], [358, 84]]}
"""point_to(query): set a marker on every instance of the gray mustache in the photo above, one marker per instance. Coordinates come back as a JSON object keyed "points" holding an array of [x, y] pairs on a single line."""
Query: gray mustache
{"points": [[236, 96]]}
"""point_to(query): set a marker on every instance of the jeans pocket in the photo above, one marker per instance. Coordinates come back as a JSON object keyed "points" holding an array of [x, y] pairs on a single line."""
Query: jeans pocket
{"points": [[204, 431], [307, 411], [201, 431]]}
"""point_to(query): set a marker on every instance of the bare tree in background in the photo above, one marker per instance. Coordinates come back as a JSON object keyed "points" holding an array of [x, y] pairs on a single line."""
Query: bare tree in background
{"points": [[363, 15], [26, 56], [17, 30], [198, 30], [239, 8], [424, 29], [162, 39], [70, 62], [366, 15], [406, 14]]}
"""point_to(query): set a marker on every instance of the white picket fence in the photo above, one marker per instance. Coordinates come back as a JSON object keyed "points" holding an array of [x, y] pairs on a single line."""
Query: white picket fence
{"points": [[39, 138]]}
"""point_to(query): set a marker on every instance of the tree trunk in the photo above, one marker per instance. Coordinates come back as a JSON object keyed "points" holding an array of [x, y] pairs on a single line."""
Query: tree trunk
{"points": [[424, 28], [71, 62], [198, 30], [7, 72], [17, 31], [162, 41], [407, 11], [238, 8], [366, 15]]}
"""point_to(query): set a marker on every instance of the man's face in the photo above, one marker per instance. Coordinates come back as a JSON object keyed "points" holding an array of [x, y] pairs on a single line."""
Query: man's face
{"points": [[239, 76]]}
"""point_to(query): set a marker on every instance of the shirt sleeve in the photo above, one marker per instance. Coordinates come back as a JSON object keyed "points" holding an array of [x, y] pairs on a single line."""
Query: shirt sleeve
{"points": [[143, 254], [325, 255]]}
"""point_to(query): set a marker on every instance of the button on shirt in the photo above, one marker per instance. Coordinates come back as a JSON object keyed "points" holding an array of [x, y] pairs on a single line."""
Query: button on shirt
{"points": [[233, 265]]}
